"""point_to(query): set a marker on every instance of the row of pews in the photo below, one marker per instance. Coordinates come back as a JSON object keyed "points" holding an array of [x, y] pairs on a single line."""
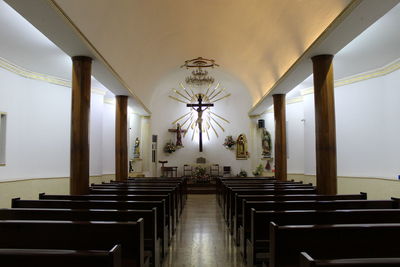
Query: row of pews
{"points": [[287, 224], [118, 224]]}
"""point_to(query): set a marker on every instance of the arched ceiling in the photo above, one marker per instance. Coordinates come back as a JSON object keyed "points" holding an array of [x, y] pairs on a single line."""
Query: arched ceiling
{"points": [[257, 40]]}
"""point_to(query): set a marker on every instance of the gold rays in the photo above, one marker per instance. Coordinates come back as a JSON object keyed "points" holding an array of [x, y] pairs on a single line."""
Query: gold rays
{"points": [[210, 120]]}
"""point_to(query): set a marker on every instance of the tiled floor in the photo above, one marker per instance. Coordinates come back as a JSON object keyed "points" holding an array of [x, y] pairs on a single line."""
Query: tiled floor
{"points": [[202, 238]]}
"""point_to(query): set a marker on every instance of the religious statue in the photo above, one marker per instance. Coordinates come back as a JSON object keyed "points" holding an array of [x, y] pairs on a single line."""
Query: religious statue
{"points": [[241, 147], [136, 152], [178, 136], [178, 132], [266, 144]]}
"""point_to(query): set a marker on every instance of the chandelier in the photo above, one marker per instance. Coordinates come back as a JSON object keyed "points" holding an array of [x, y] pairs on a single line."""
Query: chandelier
{"points": [[199, 76]]}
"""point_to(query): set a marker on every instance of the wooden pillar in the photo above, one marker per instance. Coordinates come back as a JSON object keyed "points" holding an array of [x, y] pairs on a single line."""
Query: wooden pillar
{"points": [[79, 161], [280, 137], [325, 130], [121, 138]]}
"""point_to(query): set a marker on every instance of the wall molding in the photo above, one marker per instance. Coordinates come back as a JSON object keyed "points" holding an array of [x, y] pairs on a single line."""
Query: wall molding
{"points": [[14, 68], [371, 74], [16, 180]]}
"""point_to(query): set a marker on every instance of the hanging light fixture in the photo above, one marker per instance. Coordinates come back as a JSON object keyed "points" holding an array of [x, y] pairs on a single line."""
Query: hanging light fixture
{"points": [[199, 76]]}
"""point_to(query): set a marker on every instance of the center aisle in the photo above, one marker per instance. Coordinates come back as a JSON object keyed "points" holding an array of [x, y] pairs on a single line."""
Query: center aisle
{"points": [[201, 239]]}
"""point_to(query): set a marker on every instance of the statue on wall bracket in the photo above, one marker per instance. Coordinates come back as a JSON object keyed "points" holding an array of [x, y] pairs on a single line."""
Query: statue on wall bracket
{"points": [[178, 132], [136, 149], [266, 144], [241, 147]]}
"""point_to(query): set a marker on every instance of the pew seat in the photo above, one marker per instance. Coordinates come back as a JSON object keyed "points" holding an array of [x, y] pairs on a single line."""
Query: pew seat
{"points": [[258, 243], [12, 257], [334, 241], [70, 235], [307, 261]]}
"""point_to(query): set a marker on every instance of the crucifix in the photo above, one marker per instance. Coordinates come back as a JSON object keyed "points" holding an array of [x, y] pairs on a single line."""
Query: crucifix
{"points": [[178, 132], [199, 108]]}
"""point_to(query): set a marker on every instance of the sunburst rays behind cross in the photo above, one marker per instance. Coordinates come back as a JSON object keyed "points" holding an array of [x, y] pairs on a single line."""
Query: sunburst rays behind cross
{"points": [[211, 121]]}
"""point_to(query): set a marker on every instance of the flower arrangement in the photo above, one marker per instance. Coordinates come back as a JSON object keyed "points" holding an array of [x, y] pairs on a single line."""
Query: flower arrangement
{"points": [[169, 147], [229, 142], [199, 172], [242, 173], [259, 170]]}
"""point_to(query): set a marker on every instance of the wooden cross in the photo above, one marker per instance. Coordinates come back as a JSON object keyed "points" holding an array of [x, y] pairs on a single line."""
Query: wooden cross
{"points": [[199, 108], [178, 132]]}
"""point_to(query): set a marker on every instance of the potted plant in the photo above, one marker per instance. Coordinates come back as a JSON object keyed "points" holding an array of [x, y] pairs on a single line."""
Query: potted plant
{"points": [[169, 147], [242, 173], [259, 170]]}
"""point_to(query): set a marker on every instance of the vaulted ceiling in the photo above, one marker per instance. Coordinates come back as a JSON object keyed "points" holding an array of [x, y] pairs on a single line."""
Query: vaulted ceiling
{"points": [[257, 40]]}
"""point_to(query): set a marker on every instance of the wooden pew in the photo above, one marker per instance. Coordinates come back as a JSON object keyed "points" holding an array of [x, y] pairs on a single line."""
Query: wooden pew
{"points": [[222, 180], [260, 235], [244, 229], [332, 242], [142, 191], [60, 258], [152, 241], [227, 188], [307, 261], [100, 204], [175, 187], [69, 235], [171, 212], [265, 191], [181, 186], [236, 215]]}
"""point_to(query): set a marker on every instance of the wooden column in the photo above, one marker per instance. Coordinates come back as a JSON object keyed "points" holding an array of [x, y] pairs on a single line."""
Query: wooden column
{"points": [[325, 130], [121, 138], [79, 164], [280, 137]]}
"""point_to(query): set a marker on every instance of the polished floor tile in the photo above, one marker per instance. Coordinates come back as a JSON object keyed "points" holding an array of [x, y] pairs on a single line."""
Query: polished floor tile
{"points": [[202, 238]]}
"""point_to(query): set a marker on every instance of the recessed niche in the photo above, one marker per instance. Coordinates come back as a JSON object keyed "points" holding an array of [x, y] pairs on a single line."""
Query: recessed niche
{"points": [[3, 125]]}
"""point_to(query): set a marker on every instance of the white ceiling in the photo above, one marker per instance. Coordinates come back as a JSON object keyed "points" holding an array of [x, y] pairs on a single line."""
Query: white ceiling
{"points": [[24, 45], [143, 41], [256, 41], [374, 48]]}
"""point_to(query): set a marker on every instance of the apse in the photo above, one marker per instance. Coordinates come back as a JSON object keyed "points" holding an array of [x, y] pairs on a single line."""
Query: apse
{"points": [[227, 117]]}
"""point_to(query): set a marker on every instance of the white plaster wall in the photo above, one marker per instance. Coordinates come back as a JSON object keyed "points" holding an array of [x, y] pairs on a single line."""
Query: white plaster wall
{"points": [[108, 138], [96, 134], [234, 108], [38, 127], [295, 137], [309, 135], [367, 127]]}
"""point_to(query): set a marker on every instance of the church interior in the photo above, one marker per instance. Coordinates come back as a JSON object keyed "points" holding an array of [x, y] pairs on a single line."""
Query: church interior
{"points": [[199, 133]]}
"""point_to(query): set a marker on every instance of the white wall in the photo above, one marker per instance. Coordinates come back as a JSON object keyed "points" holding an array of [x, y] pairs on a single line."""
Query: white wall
{"points": [[96, 134], [295, 137], [234, 109], [108, 138], [38, 129], [367, 129]]}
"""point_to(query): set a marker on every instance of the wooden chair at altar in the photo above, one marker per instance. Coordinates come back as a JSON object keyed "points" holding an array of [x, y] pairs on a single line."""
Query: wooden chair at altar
{"points": [[214, 170], [227, 171], [187, 170], [168, 171]]}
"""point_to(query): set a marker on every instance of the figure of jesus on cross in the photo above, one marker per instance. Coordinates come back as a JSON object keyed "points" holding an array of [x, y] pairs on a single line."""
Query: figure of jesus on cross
{"points": [[199, 108]]}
